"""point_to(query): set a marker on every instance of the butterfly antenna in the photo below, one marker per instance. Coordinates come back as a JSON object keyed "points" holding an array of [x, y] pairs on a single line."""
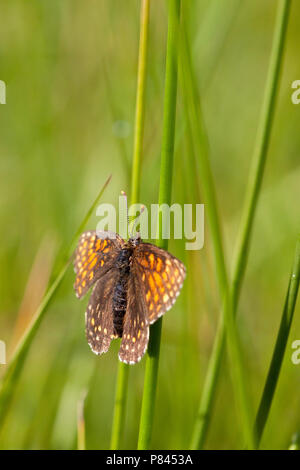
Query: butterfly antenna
{"points": [[127, 216]]}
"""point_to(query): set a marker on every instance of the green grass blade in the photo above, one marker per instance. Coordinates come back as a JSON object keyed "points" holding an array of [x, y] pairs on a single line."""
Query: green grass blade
{"points": [[140, 103], [123, 370], [15, 366], [166, 173], [119, 406], [261, 148], [280, 347], [192, 103], [115, 113], [247, 220]]}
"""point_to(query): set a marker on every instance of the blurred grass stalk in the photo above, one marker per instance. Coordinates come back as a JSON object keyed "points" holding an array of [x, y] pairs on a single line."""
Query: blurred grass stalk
{"points": [[81, 443], [165, 191], [37, 283], [122, 379], [16, 363], [193, 109], [280, 346], [247, 220]]}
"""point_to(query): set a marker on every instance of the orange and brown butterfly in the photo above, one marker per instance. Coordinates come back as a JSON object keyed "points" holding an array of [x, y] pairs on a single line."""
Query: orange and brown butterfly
{"points": [[134, 282]]}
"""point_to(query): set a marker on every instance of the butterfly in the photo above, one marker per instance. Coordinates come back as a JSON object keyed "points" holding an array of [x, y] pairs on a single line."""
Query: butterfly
{"points": [[134, 283]]}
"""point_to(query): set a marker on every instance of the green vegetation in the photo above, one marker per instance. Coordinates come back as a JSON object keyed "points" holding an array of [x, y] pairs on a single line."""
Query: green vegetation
{"points": [[92, 91]]}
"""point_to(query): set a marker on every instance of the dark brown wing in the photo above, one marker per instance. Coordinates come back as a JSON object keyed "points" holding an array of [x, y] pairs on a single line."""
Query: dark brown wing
{"points": [[160, 276], [99, 314], [94, 256], [135, 328]]}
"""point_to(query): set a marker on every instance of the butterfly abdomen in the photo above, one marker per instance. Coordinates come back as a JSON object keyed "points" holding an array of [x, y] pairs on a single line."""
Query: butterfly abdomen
{"points": [[120, 291]]}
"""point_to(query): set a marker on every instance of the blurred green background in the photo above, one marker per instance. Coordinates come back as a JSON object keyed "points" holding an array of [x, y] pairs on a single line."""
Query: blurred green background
{"points": [[70, 70]]}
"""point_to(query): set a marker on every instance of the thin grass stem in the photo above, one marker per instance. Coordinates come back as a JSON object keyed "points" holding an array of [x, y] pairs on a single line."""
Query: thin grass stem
{"points": [[119, 406], [261, 149], [123, 369], [192, 102], [165, 190], [140, 103]]}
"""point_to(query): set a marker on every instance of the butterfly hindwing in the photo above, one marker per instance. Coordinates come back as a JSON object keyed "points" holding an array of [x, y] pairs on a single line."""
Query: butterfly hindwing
{"points": [[99, 314], [160, 276], [135, 335], [94, 256]]}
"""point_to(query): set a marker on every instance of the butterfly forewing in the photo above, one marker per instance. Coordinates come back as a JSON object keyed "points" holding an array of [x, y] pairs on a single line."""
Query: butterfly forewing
{"points": [[94, 256], [160, 275], [99, 314], [135, 329]]}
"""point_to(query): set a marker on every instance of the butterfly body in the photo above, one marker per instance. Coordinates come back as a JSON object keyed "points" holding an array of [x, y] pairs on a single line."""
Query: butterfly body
{"points": [[134, 284], [123, 262]]}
